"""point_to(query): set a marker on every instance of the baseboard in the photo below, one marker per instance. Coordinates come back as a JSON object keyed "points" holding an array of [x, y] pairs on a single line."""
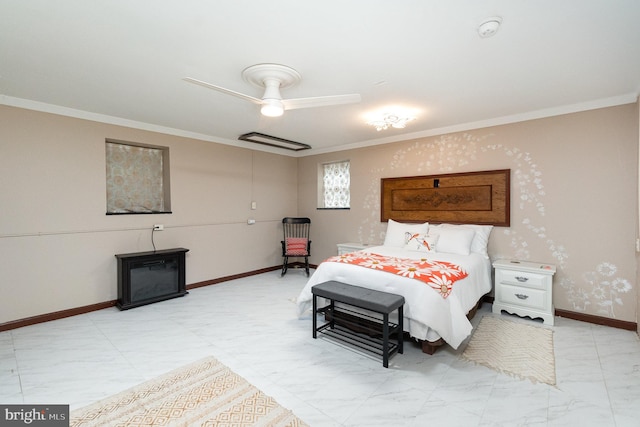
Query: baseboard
{"points": [[233, 277], [589, 318], [15, 324], [598, 320]]}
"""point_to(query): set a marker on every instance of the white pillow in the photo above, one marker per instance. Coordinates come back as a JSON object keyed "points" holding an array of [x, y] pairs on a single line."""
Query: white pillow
{"points": [[421, 242], [480, 239], [396, 230], [455, 240]]}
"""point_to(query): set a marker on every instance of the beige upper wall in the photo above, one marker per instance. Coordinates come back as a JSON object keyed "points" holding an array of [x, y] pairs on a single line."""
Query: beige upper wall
{"points": [[574, 197], [57, 246], [574, 203]]}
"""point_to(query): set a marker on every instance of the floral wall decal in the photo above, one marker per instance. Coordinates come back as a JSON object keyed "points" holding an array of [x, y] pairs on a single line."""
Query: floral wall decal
{"points": [[605, 290], [598, 291]]}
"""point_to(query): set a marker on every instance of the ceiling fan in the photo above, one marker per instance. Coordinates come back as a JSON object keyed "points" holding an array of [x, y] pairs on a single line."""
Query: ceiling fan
{"points": [[273, 77]]}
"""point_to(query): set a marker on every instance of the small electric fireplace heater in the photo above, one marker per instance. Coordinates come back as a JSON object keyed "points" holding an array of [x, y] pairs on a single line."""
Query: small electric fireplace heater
{"points": [[148, 277]]}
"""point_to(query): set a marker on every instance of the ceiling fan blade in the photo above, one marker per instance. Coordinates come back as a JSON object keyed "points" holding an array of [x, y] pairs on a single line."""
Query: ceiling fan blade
{"points": [[223, 90], [320, 101]]}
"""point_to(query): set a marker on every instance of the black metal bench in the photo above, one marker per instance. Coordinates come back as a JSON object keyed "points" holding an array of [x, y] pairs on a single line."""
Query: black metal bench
{"points": [[381, 303]]}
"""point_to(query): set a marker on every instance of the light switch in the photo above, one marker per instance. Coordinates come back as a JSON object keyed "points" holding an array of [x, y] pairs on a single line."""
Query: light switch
{"points": [[254, 206]]}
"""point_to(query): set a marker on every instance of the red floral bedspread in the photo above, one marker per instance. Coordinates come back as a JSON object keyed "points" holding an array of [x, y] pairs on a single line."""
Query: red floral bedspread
{"points": [[440, 275]]}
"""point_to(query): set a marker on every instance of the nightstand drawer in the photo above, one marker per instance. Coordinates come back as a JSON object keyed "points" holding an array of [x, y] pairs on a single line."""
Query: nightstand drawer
{"points": [[525, 297], [522, 278]]}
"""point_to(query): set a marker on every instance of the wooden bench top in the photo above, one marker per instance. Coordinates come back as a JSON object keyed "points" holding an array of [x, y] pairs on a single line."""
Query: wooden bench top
{"points": [[357, 296]]}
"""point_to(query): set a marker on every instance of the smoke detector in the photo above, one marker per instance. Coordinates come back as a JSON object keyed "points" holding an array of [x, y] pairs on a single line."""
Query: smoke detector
{"points": [[489, 26]]}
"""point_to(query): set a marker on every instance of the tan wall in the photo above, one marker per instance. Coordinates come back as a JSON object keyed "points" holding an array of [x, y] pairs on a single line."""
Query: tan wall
{"points": [[574, 203], [574, 198], [57, 245]]}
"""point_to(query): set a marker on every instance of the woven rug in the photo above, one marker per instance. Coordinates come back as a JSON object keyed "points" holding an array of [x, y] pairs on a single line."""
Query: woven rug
{"points": [[517, 349], [204, 393]]}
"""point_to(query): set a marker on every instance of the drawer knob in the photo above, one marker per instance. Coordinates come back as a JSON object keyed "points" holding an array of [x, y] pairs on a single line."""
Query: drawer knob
{"points": [[522, 296], [521, 278]]}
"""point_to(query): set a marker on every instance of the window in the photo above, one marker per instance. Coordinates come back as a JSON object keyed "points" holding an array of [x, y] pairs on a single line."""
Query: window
{"points": [[137, 178], [335, 182]]}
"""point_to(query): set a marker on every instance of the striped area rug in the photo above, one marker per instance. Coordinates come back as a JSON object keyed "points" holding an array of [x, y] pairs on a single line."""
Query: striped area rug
{"points": [[514, 348], [204, 393]]}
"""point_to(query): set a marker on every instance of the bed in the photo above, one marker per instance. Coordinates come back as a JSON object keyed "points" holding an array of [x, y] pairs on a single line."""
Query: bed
{"points": [[430, 317]]}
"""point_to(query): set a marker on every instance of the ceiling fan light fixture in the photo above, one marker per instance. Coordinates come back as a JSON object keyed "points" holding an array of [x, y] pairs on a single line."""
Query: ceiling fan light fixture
{"points": [[272, 108], [272, 78], [395, 120]]}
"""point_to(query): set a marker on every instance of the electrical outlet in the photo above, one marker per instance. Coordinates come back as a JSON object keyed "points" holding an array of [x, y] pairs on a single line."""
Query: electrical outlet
{"points": [[158, 227]]}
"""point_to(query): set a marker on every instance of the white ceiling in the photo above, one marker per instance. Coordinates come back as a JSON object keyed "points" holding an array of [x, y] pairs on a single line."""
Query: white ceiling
{"points": [[123, 61]]}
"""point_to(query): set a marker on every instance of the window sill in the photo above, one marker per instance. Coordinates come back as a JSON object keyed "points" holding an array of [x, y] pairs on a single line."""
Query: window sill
{"points": [[139, 213]]}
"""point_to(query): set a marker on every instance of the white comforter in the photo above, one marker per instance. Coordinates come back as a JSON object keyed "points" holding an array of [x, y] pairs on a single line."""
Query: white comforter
{"points": [[427, 315]]}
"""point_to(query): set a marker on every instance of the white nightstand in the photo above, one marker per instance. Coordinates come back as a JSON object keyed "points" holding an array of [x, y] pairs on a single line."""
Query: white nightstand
{"points": [[345, 248], [524, 288]]}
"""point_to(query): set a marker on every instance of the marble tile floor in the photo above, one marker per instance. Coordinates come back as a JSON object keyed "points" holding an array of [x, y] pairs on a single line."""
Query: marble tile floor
{"points": [[251, 325]]}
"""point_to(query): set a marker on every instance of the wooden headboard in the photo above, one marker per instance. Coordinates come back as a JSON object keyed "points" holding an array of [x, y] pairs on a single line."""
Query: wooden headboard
{"points": [[458, 198]]}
